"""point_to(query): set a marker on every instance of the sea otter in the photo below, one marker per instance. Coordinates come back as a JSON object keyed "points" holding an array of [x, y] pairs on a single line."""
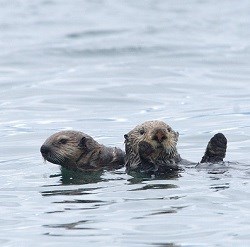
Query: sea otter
{"points": [[151, 148], [78, 151]]}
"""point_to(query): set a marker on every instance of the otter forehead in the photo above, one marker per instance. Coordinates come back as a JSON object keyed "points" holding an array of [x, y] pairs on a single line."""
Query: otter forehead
{"points": [[66, 134], [155, 124], [151, 125]]}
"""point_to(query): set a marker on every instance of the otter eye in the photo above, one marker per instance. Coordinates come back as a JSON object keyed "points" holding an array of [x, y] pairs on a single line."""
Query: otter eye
{"points": [[142, 131], [63, 141]]}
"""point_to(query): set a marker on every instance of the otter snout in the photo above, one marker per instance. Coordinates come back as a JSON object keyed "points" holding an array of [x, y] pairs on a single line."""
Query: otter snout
{"points": [[159, 135], [44, 150]]}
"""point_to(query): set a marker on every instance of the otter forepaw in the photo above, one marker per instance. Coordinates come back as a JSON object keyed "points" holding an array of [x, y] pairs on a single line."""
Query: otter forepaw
{"points": [[145, 149]]}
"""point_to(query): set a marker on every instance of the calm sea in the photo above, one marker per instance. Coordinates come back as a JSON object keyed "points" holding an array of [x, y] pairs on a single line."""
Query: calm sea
{"points": [[103, 67]]}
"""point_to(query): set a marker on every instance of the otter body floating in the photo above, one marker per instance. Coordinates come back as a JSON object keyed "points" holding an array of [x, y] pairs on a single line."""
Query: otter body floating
{"points": [[151, 148]]}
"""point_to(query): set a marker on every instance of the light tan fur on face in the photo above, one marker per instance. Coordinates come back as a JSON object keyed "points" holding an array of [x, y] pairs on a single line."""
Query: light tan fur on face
{"points": [[151, 132]]}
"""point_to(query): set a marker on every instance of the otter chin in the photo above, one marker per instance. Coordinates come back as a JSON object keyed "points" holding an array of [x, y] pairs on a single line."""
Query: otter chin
{"points": [[78, 151], [151, 147]]}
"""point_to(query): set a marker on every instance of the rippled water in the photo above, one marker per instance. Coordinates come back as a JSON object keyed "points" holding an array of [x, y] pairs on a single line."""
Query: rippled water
{"points": [[102, 67]]}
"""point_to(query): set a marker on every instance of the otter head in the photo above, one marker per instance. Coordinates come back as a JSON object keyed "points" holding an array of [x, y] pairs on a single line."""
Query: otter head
{"points": [[66, 148], [152, 143]]}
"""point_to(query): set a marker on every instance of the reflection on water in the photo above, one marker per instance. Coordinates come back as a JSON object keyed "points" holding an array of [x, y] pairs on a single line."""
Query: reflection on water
{"points": [[140, 177], [170, 211], [218, 187], [219, 168], [66, 192], [72, 226], [165, 245], [68, 177], [156, 186]]}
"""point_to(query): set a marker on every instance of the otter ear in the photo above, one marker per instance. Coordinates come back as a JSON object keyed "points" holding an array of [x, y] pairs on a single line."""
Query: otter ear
{"points": [[126, 137], [82, 142]]}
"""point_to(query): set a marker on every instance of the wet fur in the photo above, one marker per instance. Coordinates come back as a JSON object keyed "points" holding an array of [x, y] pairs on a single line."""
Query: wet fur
{"points": [[145, 153], [78, 151]]}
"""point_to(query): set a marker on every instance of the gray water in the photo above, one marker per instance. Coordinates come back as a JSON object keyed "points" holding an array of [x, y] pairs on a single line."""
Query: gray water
{"points": [[103, 67]]}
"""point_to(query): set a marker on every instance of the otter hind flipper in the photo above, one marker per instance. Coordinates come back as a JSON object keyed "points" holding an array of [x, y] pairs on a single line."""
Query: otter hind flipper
{"points": [[216, 149]]}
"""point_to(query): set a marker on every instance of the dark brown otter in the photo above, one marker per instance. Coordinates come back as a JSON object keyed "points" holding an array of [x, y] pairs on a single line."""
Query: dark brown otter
{"points": [[79, 151], [151, 148]]}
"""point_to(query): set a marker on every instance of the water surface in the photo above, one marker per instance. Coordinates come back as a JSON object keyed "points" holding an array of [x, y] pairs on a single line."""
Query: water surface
{"points": [[103, 67]]}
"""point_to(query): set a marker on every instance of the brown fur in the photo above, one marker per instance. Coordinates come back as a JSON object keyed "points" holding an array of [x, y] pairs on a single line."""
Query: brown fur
{"points": [[79, 151], [151, 147]]}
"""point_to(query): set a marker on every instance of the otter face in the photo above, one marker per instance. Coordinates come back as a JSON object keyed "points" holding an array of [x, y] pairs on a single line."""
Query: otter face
{"points": [[154, 141], [65, 148]]}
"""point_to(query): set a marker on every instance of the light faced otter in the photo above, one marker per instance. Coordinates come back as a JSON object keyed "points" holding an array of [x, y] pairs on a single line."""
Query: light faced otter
{"points": [[151, 148], [78, 151]]}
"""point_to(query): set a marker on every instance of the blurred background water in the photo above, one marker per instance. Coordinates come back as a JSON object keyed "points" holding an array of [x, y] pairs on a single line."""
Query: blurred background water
{"points": [[103, 67]]}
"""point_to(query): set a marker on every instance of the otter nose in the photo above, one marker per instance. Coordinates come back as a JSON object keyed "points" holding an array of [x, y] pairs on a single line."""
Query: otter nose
{"points": [[44, 149], [160, 135]]}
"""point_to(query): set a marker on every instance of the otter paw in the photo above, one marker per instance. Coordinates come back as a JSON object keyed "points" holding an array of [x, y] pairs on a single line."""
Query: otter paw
{"points": [[216, 149], [145, 149]]}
